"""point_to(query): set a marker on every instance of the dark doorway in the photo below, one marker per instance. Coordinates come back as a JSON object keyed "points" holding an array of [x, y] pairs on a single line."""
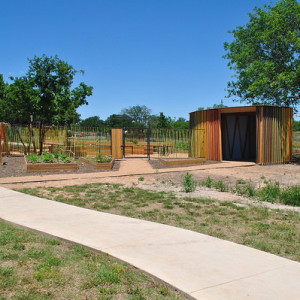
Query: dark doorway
{"points": [[239, 136]]}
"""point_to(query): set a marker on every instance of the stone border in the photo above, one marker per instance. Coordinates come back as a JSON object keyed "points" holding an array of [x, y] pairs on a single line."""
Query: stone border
{"points": [[97, 165], [50, 167]]}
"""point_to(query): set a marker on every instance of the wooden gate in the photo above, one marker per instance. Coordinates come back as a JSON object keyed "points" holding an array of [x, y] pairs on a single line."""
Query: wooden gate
{"points": [[117, 143]]}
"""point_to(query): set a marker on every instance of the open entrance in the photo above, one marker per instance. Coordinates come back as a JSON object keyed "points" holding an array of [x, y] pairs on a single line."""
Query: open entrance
{"points": [[239, 136], [136, 142]]}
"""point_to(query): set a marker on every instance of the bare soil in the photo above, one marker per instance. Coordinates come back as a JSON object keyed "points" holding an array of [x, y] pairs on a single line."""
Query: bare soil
{"points": [[14, 166]]}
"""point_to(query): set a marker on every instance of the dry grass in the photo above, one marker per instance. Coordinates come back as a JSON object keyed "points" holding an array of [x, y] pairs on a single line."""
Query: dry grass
{"points": [[273, 231]]}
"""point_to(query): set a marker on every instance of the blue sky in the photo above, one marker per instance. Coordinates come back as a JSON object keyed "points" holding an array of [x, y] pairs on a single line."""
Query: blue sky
{"points": [[165, 54]]}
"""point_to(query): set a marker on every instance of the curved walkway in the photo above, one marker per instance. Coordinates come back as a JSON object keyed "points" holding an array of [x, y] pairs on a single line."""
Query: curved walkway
{"points": [[201, 266]]}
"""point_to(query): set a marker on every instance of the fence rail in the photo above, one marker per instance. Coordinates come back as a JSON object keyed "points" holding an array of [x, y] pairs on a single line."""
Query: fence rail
{"points": [[82, 141]]}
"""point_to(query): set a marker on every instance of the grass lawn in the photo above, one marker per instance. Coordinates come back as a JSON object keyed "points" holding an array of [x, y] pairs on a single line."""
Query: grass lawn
{"points": [[36, 267], [273, 231]]}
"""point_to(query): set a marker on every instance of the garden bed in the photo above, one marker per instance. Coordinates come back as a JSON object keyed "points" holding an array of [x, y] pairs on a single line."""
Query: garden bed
{"points": [[36, 164], [97, 165], [181, 161]]}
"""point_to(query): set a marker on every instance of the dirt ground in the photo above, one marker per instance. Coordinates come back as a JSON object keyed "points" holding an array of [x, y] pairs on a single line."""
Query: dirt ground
{"points": [[15, 167]]}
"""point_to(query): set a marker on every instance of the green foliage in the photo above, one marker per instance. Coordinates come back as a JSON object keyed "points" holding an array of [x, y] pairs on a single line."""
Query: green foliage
{"points": [[139, 114], [296, 125], [245, 189], [163, 121], [48, 158], [208, 182], [119, 121], [103, 158], [221, 186], [270, 192], [141, 178], [188, 183], [45, 93], [33, 158], [92, 122], [264, 54], [291, 195]]}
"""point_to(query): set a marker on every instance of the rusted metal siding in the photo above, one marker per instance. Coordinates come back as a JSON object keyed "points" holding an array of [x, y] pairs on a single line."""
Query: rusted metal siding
{"points": [[210, 146], [274, 135], [274, 129]]}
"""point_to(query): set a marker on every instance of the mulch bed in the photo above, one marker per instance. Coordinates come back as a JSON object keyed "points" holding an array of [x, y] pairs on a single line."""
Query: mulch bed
{"points": [[12, 166]]}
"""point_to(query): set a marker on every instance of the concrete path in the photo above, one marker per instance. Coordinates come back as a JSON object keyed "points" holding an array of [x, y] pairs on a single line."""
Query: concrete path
{"points": [[201, 266], [131, 166]]}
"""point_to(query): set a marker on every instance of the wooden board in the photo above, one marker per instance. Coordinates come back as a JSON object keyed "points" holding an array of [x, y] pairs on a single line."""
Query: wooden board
{"points": [[97, 165], [116, 143], [50, 167], [182, 162]]}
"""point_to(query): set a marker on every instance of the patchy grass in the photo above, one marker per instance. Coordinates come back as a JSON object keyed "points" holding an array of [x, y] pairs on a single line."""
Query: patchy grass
{"points": [[35, 267], [274, 231]]}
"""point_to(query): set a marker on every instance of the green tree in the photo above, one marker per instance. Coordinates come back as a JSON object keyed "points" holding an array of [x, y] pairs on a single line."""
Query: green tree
{"points": [[119, 121], [163, 121], [139, 114], [52, 79], [44, 94], [92, 122], [264, 54], [180, 123]]}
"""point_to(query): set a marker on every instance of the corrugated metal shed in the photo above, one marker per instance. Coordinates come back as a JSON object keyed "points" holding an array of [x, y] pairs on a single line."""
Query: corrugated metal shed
{"points": [[262, 134]]}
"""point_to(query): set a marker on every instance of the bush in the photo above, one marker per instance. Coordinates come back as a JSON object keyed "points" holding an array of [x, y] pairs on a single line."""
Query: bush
{"points": [[47, 158], [189, 184], [291, 195], [33, 158]]}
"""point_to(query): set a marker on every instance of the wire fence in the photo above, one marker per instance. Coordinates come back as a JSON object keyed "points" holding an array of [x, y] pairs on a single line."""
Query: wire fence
{"points": [[79, 141]]}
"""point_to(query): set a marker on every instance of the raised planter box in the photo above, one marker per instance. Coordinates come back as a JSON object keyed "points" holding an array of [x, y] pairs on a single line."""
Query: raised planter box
{"points": [[97, 165], [171, 162], [51, 167]]}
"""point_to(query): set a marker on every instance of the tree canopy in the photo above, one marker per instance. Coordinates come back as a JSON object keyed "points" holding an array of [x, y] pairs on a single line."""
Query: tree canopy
{"points": [[45, 93], [264, 54], [139, 114]]}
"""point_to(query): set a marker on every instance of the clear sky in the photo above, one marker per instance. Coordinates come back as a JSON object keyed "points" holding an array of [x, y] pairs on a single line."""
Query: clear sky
{"points": [[165, 54]]}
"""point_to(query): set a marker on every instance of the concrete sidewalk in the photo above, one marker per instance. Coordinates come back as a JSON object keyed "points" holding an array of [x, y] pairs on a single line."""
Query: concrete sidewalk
{"points": [[201, 266]]}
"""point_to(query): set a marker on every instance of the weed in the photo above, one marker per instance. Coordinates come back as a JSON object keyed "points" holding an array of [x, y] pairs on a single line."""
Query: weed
{"points": [[141, 178], [291, 195], [221, 186], [103, 158], [208, 182], [270, 192], [240, 181], [189, 184]]}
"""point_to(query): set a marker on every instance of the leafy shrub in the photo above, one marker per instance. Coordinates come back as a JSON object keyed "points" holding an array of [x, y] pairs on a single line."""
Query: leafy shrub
{"points": [[270, 192], [33, 158], [189, 184], [47, 158], [221, 186], [291, 195], [103, 158], [245, 190], [208, 182]]}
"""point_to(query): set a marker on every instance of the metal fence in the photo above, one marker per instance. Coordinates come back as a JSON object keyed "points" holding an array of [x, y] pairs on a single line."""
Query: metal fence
{"points": [[82, 141]]}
